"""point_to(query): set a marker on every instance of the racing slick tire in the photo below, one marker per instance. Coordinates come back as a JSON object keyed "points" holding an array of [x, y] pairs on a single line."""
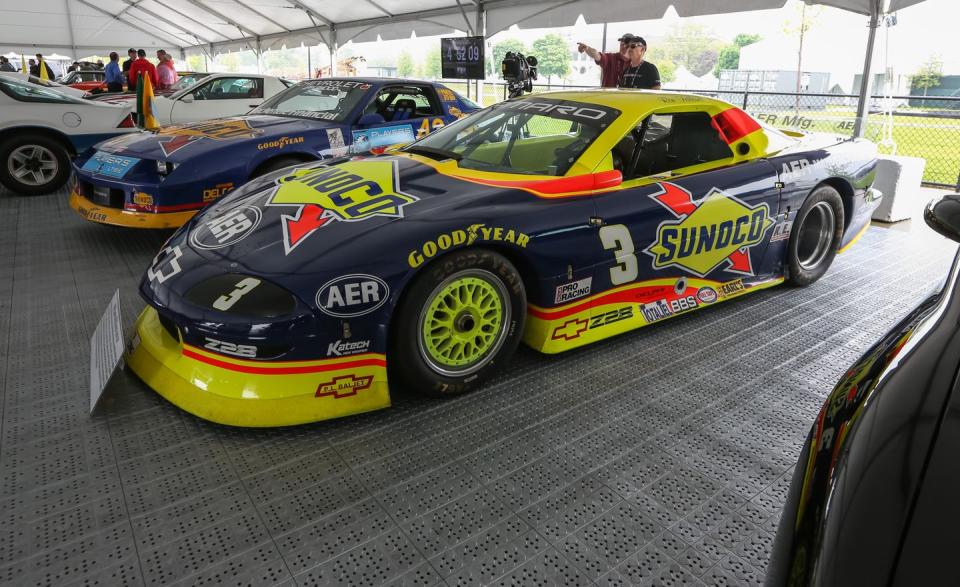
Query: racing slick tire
{"points": [[815, 237], [32, 164], [461, 318]]}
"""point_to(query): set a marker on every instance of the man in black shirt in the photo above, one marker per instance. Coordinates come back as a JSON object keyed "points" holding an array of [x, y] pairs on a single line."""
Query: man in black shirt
{"points": [[132, 54], [638, 73]]}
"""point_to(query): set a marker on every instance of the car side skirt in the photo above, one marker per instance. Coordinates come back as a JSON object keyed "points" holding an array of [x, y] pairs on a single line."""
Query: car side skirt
{"points": [[246, 393], [625, 308]]}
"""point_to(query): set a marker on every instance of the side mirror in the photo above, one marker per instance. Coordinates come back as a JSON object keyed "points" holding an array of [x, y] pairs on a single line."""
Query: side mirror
{"points": [[187, 99], [370, 119], [943, 215]]}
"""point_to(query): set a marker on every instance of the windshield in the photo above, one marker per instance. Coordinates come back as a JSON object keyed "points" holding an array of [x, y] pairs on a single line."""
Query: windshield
{"points": [[536, 136], [35, 92], [330, 99], [186, 80]]}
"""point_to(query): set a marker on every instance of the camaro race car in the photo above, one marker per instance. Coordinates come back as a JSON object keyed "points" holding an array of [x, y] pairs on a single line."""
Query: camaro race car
{"points": [[160, 179], [557, 219]]}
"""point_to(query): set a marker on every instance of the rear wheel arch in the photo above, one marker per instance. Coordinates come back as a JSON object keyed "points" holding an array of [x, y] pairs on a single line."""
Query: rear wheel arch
{"points": [[846, 196], [56, 135]]}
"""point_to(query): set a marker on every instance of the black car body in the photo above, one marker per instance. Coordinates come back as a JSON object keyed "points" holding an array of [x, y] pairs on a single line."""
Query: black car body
{"points": [[874, 498]]}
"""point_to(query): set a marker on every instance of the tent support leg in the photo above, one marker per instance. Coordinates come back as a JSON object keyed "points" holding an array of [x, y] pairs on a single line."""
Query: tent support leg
{"points": [[863, 106]]}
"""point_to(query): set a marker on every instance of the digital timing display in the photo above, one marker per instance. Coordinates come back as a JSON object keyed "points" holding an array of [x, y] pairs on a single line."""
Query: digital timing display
{"points": [[462, 58]]}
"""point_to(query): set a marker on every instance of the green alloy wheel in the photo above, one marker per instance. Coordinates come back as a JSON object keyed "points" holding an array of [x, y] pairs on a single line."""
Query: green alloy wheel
{"points": [[460, 318], [462, 324]]}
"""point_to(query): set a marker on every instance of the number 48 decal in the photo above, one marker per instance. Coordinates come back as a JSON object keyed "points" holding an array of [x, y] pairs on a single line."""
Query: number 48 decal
{"points": [[427, 125], [616, 237]]}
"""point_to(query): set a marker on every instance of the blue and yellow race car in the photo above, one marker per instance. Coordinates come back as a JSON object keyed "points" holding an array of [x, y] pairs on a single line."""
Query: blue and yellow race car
{"points": [[554, 219], [160, 179]]}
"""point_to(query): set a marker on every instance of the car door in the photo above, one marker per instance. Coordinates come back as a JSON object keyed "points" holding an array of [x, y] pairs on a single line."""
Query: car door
{"points": [[409, 112], [216, 98], [693, 220]]}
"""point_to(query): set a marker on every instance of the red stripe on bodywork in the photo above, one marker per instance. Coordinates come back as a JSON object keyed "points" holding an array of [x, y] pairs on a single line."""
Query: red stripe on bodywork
{"points": [[631, 295], [283, 370], [734, 124], [560, 185]]}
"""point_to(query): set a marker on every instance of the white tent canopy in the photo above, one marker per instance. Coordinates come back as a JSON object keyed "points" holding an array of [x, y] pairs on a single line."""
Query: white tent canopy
{"points": [[85, 26]]}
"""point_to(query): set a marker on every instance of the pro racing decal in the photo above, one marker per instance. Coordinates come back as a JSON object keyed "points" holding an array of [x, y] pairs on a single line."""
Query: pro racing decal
{"points": [[349, 192], [174, 138], [707, 233]]}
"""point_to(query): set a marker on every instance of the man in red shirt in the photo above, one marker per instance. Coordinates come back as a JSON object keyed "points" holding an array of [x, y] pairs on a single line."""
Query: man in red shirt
{"points": [[144, 67], [611, 64]]}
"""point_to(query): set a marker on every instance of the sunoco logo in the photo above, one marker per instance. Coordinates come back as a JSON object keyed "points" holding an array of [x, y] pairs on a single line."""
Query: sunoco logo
{"points": [[352, 295], [715, 230], [349, 192]]}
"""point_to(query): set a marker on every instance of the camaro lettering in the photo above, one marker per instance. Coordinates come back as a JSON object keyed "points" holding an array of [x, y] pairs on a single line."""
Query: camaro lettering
{"points": [[472, 234], [564, 109]]}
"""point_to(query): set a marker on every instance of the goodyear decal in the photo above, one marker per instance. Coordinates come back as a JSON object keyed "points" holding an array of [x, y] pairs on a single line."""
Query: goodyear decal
{"points": [[350, 192], [472, 234], [280, 143], [715, 230], [174, 138]]}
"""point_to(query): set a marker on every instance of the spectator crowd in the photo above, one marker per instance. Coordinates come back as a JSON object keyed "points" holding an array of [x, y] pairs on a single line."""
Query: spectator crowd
{"points": [[118, 77]]}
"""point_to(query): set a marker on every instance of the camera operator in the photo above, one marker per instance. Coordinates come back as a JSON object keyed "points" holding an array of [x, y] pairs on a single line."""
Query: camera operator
{"points": [[611, 64], [638, 73]]}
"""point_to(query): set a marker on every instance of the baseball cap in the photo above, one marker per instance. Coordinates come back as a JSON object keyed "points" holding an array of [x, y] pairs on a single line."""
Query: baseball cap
{"points": [[627, 38]]}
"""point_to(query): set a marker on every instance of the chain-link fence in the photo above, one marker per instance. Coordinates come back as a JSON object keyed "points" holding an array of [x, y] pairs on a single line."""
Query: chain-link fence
{"points": [[912, 126]]}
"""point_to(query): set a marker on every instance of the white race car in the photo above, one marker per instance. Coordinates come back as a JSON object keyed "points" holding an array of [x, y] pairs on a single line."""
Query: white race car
{"points": [[41, 128], [215, 96], [45, 83]]}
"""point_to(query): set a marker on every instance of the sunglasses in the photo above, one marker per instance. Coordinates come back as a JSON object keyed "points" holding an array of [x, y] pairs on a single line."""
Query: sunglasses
{"points": [[635, 45]]}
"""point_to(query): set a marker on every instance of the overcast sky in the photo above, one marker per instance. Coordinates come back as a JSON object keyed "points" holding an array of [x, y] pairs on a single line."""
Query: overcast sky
{"points": [[837, 42]]}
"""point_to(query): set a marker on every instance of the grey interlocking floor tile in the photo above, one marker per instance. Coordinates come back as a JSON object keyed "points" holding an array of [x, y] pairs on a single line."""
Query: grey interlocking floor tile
{"points": [[658, 457]]}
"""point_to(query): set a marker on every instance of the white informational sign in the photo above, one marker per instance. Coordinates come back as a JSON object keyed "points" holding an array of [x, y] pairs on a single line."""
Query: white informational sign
{"points": [[106, 349]]}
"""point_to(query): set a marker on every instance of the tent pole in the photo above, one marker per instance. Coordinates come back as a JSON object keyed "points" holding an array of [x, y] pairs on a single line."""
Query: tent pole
{"points": [[863, 106], [333, 51]]}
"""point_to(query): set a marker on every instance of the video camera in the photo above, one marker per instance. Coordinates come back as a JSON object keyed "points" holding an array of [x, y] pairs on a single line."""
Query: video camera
{"points": [[519, 73]]}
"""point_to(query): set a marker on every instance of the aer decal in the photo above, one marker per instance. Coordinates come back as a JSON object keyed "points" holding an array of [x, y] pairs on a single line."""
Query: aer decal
{"points": [[349, 192], [716, 231]]}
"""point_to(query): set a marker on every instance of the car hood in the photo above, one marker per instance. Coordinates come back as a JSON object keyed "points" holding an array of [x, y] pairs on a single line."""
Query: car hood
{"points": [[303, 225], [208, 136]]}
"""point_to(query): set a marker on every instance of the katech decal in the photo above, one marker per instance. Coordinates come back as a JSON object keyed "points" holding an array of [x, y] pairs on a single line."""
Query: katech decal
{"points": [[280, 143], [472, 234], [573, 290], [352, 295], [575, 327], [340, 348], [345, 386], [226, 229], [707, 233], [349, 192], [165, 265], [174, 138]]}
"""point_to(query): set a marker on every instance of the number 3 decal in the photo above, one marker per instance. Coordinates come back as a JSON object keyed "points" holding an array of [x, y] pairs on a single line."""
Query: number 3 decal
{"points": [[243, 287], [617, 237]]}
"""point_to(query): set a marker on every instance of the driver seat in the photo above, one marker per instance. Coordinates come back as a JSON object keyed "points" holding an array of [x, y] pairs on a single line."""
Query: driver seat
{"points": [[404, 109]]}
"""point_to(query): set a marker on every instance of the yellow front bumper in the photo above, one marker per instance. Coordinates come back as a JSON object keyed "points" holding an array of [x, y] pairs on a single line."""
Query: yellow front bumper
{"points": [[117, 217], [255, 393]]}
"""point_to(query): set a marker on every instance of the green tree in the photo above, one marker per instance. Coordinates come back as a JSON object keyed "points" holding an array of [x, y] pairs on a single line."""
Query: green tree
{"points": [[729, 57], [691, 45], [667, 69], [553, 56], [500, 50], [928, 76], [804, 20], [405, 65], [432, 68]]}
